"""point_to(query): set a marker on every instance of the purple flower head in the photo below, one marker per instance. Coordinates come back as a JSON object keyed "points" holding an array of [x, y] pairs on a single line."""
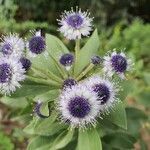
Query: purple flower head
{"points": [[79, 107], [5, 73], [6, 49], [75, 20], [26, 63], [37, 44], [103, 92], [67, 59], [96, 60], [69, 83], [75, 24], [119, 63]]}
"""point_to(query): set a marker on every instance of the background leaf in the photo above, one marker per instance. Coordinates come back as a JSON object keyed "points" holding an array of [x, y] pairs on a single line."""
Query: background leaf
{"points": [[118, 116], [89, 140]]}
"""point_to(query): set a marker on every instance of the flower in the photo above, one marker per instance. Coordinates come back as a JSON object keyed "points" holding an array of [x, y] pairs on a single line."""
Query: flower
{"points": [[11, 73], [117, 63], [12, 45], [37, 44], [78, 106], [69, 83], [105, 90], [26, 63], [74, 24], [67, 60], [96, 60]]}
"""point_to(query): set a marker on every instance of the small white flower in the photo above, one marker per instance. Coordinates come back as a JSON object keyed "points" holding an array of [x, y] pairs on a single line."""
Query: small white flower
{"points": [[117, 63], [78, 106], [12, 46], [106, 91], [11, 73], [75, 24]]}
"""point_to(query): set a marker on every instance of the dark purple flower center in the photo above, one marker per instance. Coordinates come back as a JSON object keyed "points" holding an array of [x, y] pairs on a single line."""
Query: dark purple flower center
{"points": [[67, 59], [26, 63], [5, 73], [79, 107], [69, 83], [75, 21], [119, 63], [37, 44], [103, 92], [96, 60], [6, 49]]}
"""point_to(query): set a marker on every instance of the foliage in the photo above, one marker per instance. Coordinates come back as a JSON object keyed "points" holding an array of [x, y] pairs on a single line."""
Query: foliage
{"points": [[5, 142], [114, 132]]}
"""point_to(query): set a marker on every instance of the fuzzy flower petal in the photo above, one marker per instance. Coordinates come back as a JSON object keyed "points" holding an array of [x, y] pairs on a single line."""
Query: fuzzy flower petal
{"points": [[75, 24], [11, 73], [117, 63], [78, 106], [12, 46]]}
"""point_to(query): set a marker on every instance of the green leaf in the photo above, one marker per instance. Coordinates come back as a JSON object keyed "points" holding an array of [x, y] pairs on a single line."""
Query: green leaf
{"points": [[85, 54], [89, 140], [119, 140], [118, 116], [30, 88], [45, 127], [47, 96], [62, 140], [143, 97], [55, 48], [14, 102], [39, 143], [135, 119]]}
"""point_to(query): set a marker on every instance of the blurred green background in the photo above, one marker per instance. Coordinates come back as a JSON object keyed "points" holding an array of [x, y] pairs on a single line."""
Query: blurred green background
{"points": [[121, 24]]}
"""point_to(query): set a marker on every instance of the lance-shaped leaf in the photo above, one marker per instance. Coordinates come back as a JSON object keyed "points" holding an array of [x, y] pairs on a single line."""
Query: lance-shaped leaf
{"points": [[89, 140], [86, 52], [62, 140], [118, 116]]}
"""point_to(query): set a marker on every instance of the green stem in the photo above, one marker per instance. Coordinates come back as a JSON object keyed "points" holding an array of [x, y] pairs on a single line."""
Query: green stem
{"points": [[42, 81], [77, 48], [85, 72]]}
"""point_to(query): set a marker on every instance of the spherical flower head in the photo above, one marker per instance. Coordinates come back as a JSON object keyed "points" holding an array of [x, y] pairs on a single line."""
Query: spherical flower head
{"points": [[117, 63], [67, 60], [11, 73], [68, 83], [26, 63], [12, 45], [96, 60], [105, 89], [74, 24], [37, 44], [78, 106]]}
